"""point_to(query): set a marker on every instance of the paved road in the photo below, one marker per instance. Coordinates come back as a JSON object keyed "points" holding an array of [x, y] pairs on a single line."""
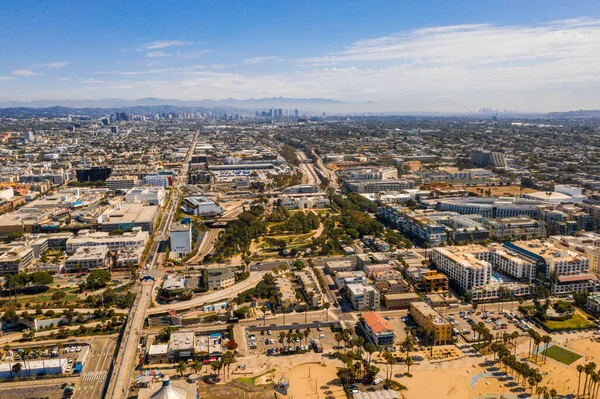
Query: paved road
{"points": [[127, 355], [213, 296], [95, 371]]}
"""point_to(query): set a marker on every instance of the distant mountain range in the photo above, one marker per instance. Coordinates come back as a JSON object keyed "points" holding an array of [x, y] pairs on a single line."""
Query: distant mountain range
{"points": [[252, 103]]}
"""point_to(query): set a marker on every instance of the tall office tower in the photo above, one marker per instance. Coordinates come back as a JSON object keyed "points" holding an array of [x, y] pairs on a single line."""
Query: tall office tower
{"points": [[296, 114]]}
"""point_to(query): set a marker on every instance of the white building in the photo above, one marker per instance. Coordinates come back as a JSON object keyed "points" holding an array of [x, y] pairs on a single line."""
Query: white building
{"points": [[34, 367], [352, 277], [87, 258], [149, 195], [134, 239], [201, 206], [157, 181], [180, 240], [363, 297], [121, 183], [462, 265]]}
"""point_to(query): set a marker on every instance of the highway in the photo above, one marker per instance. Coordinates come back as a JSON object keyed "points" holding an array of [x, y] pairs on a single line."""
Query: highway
{"points": [[214, 296], [126, 358]]}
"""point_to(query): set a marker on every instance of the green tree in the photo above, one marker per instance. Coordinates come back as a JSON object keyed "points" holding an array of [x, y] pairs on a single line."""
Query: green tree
{"points": [[42, 278], [16, 368], [98, 279]]}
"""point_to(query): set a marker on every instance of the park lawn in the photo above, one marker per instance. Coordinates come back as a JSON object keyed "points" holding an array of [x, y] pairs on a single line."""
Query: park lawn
{"points": [[577, 322], [562, 355], [251, 381]]}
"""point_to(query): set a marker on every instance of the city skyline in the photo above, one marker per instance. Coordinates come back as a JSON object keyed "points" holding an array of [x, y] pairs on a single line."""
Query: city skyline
{"points": [[396, 58]]}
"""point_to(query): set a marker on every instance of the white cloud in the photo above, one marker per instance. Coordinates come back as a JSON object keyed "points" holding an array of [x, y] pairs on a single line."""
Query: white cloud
{"points": [[63, 78], [7, 77], [157, 54], [260, 59], [546, 67], [160, 44], [25, 72], [53, 64]]}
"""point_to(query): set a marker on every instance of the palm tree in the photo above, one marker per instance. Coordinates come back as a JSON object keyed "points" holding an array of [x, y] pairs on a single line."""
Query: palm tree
{"points": [[546, 339], [541, 391], [587, 369], [196, 366], [263, 309], [409, 362], [370, 349], [327, 305], [553, 394], [580, 369], [283, 310], [181, 368], [306, 333], [431, 335]]}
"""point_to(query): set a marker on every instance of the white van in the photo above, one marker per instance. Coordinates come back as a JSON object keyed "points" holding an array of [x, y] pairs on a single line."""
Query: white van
{"points": [[377, 381]]}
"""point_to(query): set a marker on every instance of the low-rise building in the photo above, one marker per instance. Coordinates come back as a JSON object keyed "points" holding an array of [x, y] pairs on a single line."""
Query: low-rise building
{"points": [[337, 266], [377, 330], [85, 238], [201, 206], [220, 278], [399, 301], [593, 303], [127, 215], [310, 288], [182, 346], [147, 195], [352, 277], [430, 320], [158, 353], [88, 258]]}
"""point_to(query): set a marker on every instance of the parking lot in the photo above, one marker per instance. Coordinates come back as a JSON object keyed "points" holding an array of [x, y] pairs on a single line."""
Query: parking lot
{"points": [[498, 322], [260, 342]]}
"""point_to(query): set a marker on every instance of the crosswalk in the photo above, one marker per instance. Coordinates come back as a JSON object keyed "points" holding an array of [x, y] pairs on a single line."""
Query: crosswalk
{"points": [[94, 376]]}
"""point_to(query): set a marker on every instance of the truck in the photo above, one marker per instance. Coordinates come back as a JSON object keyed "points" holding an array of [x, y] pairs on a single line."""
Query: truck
{"points": [[317, 346]]}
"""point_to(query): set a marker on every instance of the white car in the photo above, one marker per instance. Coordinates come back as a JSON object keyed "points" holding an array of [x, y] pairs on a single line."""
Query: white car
{"points": [[78, 349]]}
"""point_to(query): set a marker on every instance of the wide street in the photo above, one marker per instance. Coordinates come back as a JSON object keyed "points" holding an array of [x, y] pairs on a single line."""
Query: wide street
{"points": [[127, 355]]}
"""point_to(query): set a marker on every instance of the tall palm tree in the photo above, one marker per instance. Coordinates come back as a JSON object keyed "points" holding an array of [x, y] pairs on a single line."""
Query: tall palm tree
{"points": [[588, 369], [546, 339], [370, 349], [306, 333], [196, 366], [263, 309], [26, 353], [514, 336], [409, 362], [580, 369], [338, 338]]}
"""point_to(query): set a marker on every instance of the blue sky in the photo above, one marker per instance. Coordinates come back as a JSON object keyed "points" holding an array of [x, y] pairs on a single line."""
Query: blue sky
{"points": [[405, 56]]}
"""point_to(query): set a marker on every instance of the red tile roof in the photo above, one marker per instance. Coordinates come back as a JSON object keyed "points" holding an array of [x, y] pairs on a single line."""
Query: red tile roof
{"points": [[376, 322]]}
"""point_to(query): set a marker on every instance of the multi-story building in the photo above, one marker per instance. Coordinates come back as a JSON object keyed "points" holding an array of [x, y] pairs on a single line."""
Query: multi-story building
{"points": [[182, 346], [87, 258], [463, 265], [147, 195], [374, 174], [15, 257], [93, 174], [568, 271], [492, 207], [337, 266], [310, 288], [157, 181], [377, 330], [416, 224], [286, 295], [352, 277], [587, 244], [121, 183], [508, 262], [85, 238], [520, 228], [433, 281], [127, 215], [593, 303], [220, 278], [363, 297], [201, 206], [399, 301], [374, 186], [430, 320], [180, 240]]}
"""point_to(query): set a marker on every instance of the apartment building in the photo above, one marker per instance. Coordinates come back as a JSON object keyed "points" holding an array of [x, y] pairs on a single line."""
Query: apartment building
{"points": [[310, 287], [432, 281], [416, 224], [128, 215], [508, 262], [492, 207], [427, 318], [377, 330], [374, 174], [568, 271], [88, 258], [362, 297], [463, 265], [400, 301], [352, 277], [520, 228], [587, 244], [286, 295]]}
